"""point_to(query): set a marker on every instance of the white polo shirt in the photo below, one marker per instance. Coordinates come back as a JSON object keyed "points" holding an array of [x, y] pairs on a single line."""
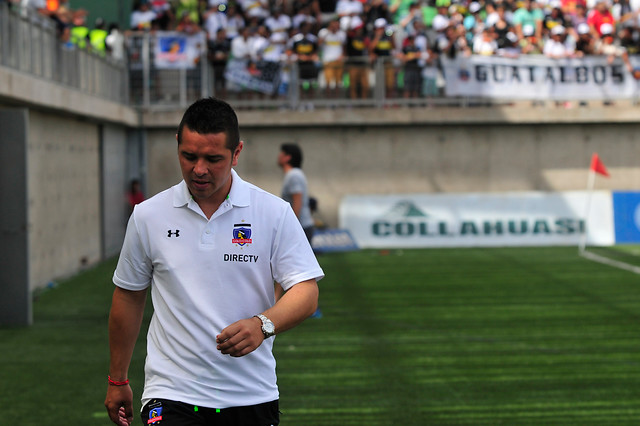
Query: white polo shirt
{"points": [[205, 275]]}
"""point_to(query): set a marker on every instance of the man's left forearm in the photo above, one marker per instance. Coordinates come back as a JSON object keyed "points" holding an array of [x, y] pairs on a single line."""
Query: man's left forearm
{"points": [[296, 305]]}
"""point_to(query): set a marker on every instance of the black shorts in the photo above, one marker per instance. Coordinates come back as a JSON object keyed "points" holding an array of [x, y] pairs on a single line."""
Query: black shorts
{"points": [[164, 412]]}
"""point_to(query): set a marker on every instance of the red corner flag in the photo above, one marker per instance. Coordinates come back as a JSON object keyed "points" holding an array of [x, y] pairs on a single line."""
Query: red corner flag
{"points": [[598, 166]]}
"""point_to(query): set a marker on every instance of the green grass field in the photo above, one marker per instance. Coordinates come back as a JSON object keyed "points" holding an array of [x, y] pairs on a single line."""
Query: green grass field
{"points": [[409, 337]]}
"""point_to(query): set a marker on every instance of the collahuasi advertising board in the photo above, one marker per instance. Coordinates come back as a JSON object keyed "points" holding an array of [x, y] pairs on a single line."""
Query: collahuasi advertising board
{"points": [[479, 219]]}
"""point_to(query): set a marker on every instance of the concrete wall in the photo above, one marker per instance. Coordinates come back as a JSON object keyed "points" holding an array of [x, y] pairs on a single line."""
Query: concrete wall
{"points": [[343, 159], [63, 159], [115, 183]]}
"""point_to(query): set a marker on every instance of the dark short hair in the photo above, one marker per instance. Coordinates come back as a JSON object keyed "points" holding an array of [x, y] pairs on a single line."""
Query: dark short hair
{"points": [[294, 151], [211, 115]]}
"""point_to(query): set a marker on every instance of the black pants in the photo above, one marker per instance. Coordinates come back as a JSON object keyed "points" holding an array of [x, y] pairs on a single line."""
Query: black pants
{"points": [[164, 412]]}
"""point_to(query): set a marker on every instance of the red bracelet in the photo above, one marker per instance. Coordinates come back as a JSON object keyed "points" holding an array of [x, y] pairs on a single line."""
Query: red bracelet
{"points": [[116, 383]]}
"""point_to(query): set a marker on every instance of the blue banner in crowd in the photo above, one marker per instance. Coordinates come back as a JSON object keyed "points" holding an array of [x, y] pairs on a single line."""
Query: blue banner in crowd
{"points": [[626, 208]]}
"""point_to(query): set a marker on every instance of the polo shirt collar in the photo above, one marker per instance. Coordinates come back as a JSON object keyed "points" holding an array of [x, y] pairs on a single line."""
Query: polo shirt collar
{"points": [[238, 195]]}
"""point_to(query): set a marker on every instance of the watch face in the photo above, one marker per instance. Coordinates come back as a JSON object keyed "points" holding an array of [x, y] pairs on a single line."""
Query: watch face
{"points": [[268, 327]]}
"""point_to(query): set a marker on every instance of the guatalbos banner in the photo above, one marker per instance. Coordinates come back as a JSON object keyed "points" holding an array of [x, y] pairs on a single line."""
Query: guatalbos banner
{"points": [[536, 77], [485, 220]]}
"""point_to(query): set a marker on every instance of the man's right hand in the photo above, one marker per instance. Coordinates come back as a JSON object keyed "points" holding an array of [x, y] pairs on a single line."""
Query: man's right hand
{"points": [[119, 403]]}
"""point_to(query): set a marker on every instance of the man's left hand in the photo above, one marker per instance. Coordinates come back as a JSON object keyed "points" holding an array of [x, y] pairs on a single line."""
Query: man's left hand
{"points": [[241, 337]]}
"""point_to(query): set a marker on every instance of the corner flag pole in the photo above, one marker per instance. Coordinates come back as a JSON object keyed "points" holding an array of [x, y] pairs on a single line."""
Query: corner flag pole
{"points": [[597, 166]]}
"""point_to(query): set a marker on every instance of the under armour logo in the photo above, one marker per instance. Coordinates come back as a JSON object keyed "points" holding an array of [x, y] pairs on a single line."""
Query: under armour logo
{"points": [[171, 233]]}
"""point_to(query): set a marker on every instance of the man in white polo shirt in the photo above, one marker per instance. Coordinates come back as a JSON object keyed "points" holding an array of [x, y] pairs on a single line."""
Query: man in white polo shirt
{"points": [[210, 248]]}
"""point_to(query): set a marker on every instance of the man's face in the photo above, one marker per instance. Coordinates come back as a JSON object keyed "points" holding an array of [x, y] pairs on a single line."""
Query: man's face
{"points": [[206, 164], [283, 159]]}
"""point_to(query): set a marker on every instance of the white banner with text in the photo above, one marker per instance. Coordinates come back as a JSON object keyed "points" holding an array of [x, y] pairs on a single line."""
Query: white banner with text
{"points": [[536, 77], [479, 220]]}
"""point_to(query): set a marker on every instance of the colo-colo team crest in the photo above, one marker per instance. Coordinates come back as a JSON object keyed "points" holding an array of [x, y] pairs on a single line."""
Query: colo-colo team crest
{"points": [[241, 234]]}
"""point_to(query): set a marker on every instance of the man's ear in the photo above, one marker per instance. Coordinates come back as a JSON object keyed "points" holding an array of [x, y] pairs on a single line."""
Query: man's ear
{"points": [[236, 154]]}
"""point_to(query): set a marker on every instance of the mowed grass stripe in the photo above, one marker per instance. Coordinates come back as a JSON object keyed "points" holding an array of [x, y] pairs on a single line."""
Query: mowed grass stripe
{"points": [[477, 328]]}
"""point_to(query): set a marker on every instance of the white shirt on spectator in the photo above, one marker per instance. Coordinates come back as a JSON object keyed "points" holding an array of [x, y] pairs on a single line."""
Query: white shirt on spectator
{"points": [[257, 45], [143, 19], [440, 22], [255, 8], [332, 44], [240, 48], [300, 18], [484, 47], [214, 22], [234, 25], [349, 8], [280, 23], [557, 49]]}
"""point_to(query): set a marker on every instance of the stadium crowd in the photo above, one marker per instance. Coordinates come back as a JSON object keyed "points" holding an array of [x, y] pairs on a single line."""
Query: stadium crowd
{"points": [[343, 38]]}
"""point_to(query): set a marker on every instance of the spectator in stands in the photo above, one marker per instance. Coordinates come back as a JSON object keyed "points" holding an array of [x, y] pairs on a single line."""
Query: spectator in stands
{"points": [[276, 49], [218, 51], [255, 9], [331, 41], [187, 7], [186, 24], [142, 16], [278, 21], [473, 23], [303, 49], [115, 42], [408, 22], [382, 48], [400, 8], [584, 42], [258, 43], [505, 32], [485, 44], [629, 41], [240, 56], [276, 53], [314, 8], [441, 20], [579, 16], [304, 15], [410, 57], [557, 46], [80, 31], [529, 14], [357, 59], [374, 10], [451, 42], [214, 19], [164, 14], [554, 18], [349, 8], [599, 16], [530, 44], [98, 36], [608, 46], [35, 7], [235, 22]]}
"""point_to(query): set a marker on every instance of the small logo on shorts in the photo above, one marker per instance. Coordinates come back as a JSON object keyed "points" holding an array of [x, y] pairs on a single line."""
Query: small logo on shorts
{"points": [[241, 234], [155, 415]]}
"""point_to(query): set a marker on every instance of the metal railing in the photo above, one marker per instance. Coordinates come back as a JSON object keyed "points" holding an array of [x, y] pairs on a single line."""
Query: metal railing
{"points": [[158, 87], [29, 43]]}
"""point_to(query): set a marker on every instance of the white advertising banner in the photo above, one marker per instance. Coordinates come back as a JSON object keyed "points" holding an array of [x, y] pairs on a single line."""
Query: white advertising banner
{"points": [[536, 77], [478, 220]]}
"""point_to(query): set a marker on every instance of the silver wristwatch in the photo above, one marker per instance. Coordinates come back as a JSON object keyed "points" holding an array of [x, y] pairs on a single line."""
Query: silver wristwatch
{"points": [[268, 329]]}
